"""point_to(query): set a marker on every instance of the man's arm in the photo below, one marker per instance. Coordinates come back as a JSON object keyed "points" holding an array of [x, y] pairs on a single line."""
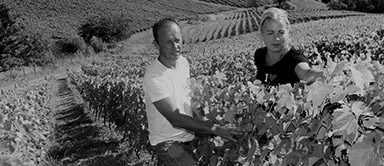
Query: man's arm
{"points": [[168, 109]]}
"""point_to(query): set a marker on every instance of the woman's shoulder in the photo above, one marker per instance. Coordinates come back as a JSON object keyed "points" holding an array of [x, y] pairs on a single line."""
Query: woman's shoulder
{"points": [[261, 50], [297, 54], [296, 51], [260, 56]]}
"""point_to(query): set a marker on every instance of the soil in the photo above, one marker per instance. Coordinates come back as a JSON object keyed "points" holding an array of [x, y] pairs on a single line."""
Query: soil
{"points": [[79, 138]]}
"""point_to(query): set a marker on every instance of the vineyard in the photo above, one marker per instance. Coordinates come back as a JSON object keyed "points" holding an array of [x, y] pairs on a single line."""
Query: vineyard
{"points": [[240, 3], [300, 4], [333, 121], [246, 21], [25, 126]]}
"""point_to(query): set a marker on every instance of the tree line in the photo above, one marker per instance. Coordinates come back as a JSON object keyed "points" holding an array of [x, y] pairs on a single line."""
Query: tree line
{"points": [[18, 48], [369, 6]]}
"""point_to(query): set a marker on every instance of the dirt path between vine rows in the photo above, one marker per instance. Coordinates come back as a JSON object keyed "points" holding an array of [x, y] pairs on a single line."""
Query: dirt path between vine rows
{"points": [[79, 138]]}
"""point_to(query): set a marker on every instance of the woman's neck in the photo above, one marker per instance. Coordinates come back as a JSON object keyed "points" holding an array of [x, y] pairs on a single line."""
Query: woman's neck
{"points": [[274, 57]]}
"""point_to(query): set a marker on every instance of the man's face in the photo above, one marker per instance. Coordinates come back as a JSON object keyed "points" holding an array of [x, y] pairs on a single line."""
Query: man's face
{"points": [[169, 41]]}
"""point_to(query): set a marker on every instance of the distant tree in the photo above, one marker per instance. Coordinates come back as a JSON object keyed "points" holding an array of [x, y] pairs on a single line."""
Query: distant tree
{"points": [[109, 29], [351, 4], [9, 33], [337, 5], [379, 6], [288, 6], [364, 6], [17, 48], [285, 4], [280, 2], [375, 6]]}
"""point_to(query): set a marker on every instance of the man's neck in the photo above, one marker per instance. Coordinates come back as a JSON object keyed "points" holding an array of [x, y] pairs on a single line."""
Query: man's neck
{"points": [[167, 63]]}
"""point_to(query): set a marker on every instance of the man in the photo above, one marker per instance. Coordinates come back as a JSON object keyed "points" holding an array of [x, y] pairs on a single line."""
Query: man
{"points": [[170, 122]]}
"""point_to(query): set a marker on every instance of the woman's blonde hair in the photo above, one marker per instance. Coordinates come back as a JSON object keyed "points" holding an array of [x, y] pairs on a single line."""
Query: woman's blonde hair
{"points": [[275, 14]]}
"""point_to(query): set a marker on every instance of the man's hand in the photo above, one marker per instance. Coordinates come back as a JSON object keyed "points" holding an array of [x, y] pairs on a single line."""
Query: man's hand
{"points": [[225, 132]]}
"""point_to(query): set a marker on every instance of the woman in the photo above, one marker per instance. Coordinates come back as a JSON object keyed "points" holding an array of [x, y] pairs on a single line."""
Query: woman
{"points": [[278, 62]]}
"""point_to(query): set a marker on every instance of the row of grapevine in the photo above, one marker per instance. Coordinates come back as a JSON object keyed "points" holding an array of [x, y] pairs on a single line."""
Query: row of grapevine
{"points": [[305, 16], [24, 124], [242, 3], [119, 102], [243, 23], [243, 14], [237, 3], [247, 21]]}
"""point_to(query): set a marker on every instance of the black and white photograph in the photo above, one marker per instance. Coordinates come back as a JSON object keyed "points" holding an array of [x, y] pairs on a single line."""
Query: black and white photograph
{"points": [[191, 83]]}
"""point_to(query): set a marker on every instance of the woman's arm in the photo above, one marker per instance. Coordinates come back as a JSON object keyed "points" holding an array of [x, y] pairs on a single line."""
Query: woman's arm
{"points": [[306, 73]]}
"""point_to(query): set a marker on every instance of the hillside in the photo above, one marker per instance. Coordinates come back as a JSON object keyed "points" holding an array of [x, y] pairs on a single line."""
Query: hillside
{"points": [[58, 18], [241, 3], [301, 4], [309, 4], [62, 18]]}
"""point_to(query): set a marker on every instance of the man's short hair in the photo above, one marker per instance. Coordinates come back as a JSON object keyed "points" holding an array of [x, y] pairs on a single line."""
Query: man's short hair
{"points": [[156, 27]]}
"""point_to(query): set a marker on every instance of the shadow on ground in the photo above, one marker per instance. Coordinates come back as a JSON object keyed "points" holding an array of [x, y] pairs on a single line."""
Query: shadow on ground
{"points": [[78, 138]]}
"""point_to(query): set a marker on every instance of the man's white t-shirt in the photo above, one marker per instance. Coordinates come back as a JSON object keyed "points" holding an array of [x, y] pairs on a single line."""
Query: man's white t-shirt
{"points": [[161, 82]]}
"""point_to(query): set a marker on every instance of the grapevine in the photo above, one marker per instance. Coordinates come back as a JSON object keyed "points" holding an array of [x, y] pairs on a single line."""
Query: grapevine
{"points": [[24, 124], [327, 122]]}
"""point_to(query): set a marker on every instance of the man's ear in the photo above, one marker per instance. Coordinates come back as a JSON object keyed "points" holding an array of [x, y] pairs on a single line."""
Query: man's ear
{"points": [[156, 44]]}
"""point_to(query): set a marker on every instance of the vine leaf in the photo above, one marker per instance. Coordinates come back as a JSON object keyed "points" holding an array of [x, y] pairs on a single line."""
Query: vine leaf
{"points": [[313, 160], [381, 123], [363, 153], [261, 96], [361, 75], [229, 115], [331, 65], [358, 108], [3, 147], [371, 122], [2, 117], [339, 68], [221, 76], [286, 101], [337, 96], [345, 124], [318, 92], [292, 158]]}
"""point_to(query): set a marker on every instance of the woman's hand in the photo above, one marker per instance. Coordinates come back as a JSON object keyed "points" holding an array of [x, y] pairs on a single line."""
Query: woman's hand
{"points": [[311, 79]]}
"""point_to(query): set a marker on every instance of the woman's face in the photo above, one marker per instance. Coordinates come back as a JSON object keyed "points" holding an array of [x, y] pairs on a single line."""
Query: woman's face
{"points": [[275, 34]]}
